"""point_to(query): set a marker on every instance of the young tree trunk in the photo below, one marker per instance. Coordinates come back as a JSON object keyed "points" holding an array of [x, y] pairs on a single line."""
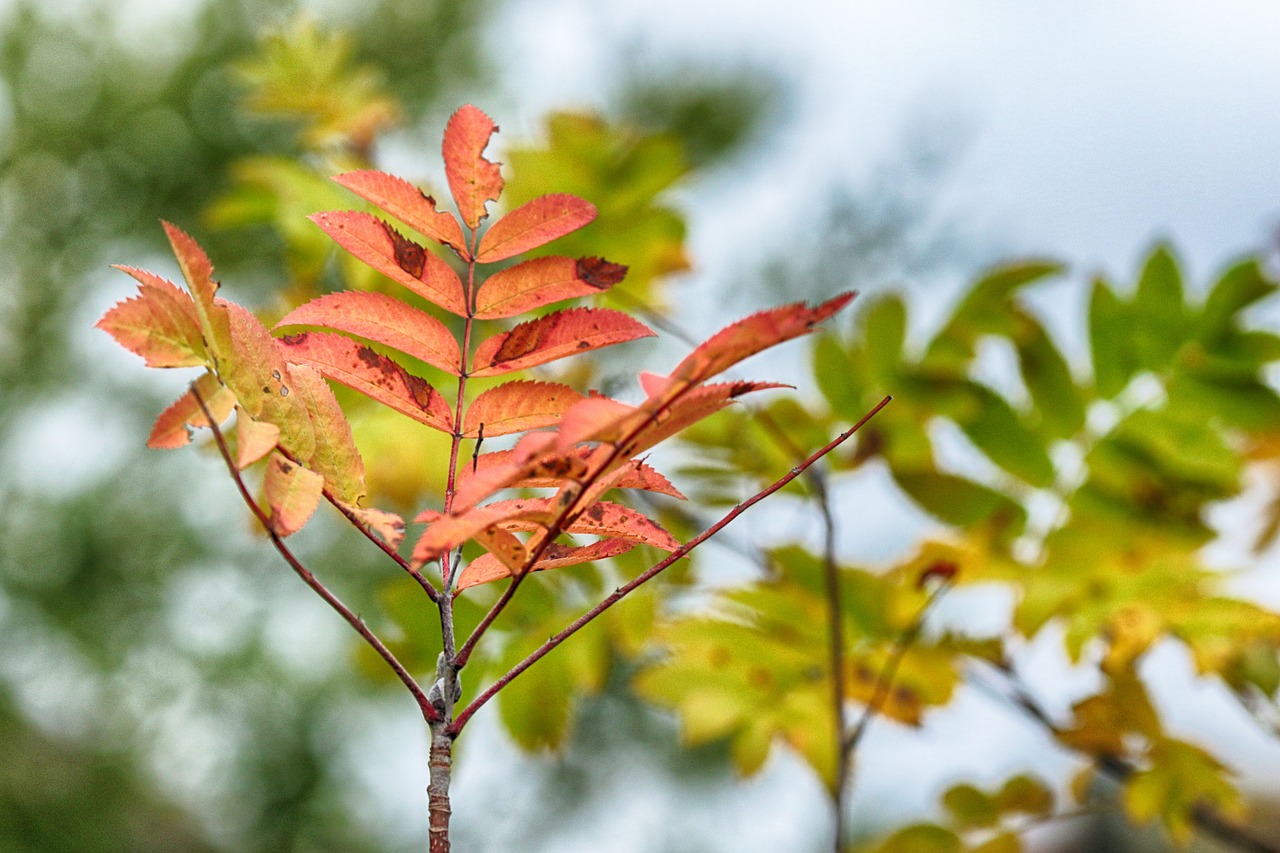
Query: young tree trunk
{"points": [[440, 764]]}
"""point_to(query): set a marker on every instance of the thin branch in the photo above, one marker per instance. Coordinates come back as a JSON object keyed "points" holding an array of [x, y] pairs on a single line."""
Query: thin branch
{"points": [[880, 694], [427, 586], [835, 634], [428, 711], [622, 591], [1207, 819], [386, 548]]}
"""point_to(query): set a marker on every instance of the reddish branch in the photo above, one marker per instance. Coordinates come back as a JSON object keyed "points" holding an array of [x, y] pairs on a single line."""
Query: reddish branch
{"points": [[428, 711], [423, 582], [622, 591]]}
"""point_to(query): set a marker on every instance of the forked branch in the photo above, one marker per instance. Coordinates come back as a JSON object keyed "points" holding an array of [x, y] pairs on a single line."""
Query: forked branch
{"points": [[428, 711], [681, 552]]}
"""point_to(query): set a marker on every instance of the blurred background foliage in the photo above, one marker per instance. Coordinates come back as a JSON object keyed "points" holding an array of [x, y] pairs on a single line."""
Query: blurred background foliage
{"points": [[164, 686]]}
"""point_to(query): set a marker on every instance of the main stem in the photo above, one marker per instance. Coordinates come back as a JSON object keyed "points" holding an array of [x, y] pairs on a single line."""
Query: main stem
{"points": [[447, 690]]}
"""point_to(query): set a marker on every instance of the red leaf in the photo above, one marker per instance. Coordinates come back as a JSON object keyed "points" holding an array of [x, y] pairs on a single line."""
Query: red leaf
{"points": [[335, 456], [367, 371], [554, 336], [596, 418], [385, 320], [604, 518], [658, 418], [747, 337], [486, 568], [503, 468], [448, 532], [382, 247], [515, 469], [160, 323], [473, 180], [409, 204], [292, 492], [518, 406], [691, 407], [534, 224], [532, 284], [171, 428], [254, 439], [198, 272]]}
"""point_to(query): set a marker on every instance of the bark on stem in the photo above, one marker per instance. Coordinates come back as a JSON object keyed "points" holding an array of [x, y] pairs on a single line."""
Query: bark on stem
{"points": [[440, 765]]}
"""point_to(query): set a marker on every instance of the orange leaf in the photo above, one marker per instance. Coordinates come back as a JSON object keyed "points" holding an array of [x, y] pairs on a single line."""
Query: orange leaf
{"points": [[335, 456], [448, 532], [749, 336], [473, 180], [596, 418], [292, 492], [604, 518], [198, 271], [360, 367], [382, 247], [504, 468], [171, 428], [254, 439], [160, 323], [514, 469], [386, 524], [409, 204], [534, 224], [554, 336], [257, 373], [385, 320], [541, 281], [518, 406], [691, 407], [486, 568]]}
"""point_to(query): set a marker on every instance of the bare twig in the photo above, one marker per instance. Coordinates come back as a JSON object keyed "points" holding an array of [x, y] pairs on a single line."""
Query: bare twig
{"points": [[308, 578], [622, 591], [427, 586], [884, 683]]}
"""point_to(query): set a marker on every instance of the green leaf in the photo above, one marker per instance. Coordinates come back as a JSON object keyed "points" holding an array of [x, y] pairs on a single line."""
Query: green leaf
{"points": [[1186, 448], [922, 838], [884, 328], [1109, 331], [997, 430], [984, 310], [1159, 313], [1247, 404], [970, 807], [1181, 779], [959, 501], [1238, 288], [1025, 794], [1058, 402]]}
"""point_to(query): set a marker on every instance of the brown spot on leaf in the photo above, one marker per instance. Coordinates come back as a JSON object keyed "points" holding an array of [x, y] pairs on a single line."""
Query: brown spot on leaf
{"points": [[410, 257], [371, 358], [595, 512], [294, 339], [520, 341], [599, 273], [421, 391]]}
